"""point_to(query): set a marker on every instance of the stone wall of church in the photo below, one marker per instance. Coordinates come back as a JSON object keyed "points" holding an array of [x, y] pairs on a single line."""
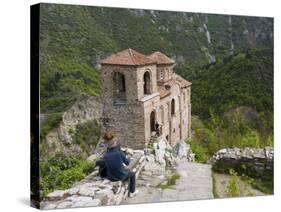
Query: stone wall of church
{"points": [[174, 127], [166, 71], [130, 121], [151, 69], [124, 120]]}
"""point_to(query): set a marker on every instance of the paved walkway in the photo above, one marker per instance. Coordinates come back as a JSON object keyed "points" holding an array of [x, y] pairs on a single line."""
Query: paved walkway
{"points": [[195, 183]]}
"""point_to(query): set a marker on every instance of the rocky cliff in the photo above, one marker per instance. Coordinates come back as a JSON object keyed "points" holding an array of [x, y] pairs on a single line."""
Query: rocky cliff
{"points": [[84, 111]]}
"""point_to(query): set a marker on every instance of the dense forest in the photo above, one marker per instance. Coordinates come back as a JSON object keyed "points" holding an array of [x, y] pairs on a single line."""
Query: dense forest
{"points": [[228, 59]]}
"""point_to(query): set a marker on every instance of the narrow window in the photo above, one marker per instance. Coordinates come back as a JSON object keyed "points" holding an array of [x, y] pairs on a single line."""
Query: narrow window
{"points": [[161, 75], [173, 107], [162, 114], [119, 88], [146, 83]]}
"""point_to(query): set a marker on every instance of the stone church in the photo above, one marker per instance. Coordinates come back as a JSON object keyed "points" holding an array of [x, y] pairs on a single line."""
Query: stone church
{"points": [[143, 99]]}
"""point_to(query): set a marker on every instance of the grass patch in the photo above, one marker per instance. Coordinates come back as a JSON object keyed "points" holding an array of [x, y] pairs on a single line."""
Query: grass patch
{"points": [[232, 188], [262, 182], [265, 186], [171, 182]]}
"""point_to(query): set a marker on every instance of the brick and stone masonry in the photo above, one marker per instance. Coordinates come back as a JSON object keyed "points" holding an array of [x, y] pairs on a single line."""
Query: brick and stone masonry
{"points": [[140, 90]]}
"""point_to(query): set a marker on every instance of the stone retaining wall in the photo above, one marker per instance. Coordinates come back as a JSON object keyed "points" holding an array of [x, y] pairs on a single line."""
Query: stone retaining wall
{"points": [[252, 161], [94, 190], [97, 191]]}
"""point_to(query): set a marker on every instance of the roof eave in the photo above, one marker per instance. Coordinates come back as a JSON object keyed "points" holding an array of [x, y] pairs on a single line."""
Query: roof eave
{"points": [[166, 64], [168, 94], [134, 65]]}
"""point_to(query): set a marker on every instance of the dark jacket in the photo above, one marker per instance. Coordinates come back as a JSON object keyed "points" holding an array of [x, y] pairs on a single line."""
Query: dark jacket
{"points": [[114, 159]]}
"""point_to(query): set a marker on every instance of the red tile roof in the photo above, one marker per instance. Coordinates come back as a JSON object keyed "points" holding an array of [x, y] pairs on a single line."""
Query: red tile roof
{"points": [[177, 79], [128, 57], [163, 91], [184, 83], [161, 59], [164, 88]]}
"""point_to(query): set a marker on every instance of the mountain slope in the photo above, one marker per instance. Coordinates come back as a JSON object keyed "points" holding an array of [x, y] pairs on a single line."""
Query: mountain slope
{"points": [[245, 79], [74, 38]]}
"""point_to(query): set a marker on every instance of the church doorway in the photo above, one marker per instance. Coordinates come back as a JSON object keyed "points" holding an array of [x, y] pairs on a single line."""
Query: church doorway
{"points": [[152, 121]]}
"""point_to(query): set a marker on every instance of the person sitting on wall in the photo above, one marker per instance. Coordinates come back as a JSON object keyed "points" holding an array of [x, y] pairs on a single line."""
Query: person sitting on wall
{"points": [[114, 160]]}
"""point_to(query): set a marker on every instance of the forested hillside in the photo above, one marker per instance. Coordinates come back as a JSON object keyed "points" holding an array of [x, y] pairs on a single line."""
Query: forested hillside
{"points": [[74, 38], [243, 79], [227, 58]]}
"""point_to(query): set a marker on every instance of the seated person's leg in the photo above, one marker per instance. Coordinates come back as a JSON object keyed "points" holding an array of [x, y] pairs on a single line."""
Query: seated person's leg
{"points": [[132, 182], [102, 168]]}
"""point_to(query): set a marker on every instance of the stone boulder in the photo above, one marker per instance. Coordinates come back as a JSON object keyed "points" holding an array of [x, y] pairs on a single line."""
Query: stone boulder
{"points": [[180, 149], [160, 150], [93, 157]]}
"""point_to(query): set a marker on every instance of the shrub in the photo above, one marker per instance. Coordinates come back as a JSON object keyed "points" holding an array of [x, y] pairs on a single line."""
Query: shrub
{"points": [[201, 153], [251, 139], [196, 123], [66, 178], [63, 161], [61, 171], [87, 135], [53, 121], [171, 182], [87, 167], [222, 134], [232, 186], [265, 186]]}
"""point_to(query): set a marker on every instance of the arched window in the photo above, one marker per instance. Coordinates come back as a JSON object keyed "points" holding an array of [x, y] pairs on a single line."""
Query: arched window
{"points": [[173, 107], [162, 114], [146, 83], [119, 86]]}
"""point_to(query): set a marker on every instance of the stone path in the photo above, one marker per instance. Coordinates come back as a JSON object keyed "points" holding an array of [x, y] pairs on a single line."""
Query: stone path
{"points": [[195, 183]]}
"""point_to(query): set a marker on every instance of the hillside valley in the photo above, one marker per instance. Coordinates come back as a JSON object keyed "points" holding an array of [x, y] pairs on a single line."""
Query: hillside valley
{"points": [[229, 59]]}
